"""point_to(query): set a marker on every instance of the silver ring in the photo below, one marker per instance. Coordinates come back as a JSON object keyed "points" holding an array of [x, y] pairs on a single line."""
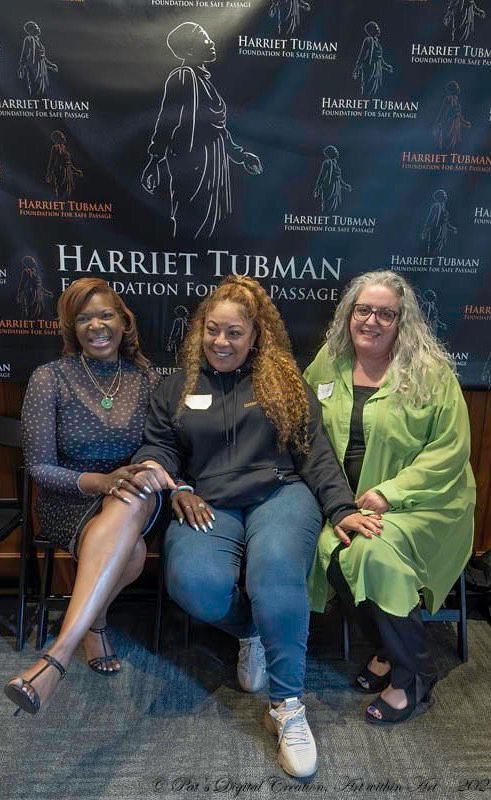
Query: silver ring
{"points": [[201, 505], [119, 482]]}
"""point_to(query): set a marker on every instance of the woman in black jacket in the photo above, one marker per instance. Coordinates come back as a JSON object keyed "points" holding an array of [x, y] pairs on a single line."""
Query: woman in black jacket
{"points": [[241, 433]]}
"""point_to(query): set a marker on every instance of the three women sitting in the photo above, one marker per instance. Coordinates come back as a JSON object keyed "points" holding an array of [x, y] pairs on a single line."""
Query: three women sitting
{"points": [[239, 438]]}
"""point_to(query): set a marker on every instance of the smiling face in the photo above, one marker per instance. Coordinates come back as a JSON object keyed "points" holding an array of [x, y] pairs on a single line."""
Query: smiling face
{"points": [[99, 328], [370, 338], [228, 336]]}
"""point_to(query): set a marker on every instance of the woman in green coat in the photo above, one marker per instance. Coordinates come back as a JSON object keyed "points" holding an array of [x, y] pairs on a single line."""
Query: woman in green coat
{"points": [[395, 414]]}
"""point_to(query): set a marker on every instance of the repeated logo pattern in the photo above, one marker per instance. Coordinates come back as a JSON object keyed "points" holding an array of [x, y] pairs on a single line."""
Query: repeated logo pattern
{"points": [[300, 142]]}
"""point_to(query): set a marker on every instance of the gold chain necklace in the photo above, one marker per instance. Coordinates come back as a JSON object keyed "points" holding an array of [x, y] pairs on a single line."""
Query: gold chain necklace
{"points": [[108, 395]]}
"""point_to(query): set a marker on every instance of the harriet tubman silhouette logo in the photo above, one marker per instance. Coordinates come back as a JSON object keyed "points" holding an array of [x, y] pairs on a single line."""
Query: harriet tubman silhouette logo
{"points": [[288, 14], [437, 225], [31, 295], [330, 185], [179, 329], [370, 65], [34, 66], [191, 136], [450, 121], [61, 171], [459, 18], [429, 308]]}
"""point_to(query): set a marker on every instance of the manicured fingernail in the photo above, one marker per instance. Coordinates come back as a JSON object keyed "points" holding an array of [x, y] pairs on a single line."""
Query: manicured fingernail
{"points": [[210, 526], [204, 529], [213, 516], [196, 528], [147, 489], [181, 520], [126, 500], [142, 495]]}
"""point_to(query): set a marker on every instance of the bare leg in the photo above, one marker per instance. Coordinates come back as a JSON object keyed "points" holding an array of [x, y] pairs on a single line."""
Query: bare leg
{"points": [[93, 644], [107, 546]]}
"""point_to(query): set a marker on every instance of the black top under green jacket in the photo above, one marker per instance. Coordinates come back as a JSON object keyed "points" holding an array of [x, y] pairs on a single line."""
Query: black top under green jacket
{"points": [[224, 446]]}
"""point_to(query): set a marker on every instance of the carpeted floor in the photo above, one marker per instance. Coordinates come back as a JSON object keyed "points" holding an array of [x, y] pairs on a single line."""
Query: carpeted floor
{"points": [[177, 726]]}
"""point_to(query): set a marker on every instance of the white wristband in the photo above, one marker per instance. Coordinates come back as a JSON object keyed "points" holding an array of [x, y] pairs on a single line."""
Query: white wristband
{"points": [[184, 488]]}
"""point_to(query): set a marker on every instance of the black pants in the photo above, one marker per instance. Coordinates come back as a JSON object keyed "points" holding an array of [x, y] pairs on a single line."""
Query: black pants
{"points": [[399, 640]]}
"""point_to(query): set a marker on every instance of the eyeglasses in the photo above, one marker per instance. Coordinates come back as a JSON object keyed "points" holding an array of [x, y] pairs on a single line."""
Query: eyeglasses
{"points": [[384, 316]]}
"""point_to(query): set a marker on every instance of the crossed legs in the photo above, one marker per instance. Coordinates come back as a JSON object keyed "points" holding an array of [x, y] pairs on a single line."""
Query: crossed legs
{"points": [[111, 555]]}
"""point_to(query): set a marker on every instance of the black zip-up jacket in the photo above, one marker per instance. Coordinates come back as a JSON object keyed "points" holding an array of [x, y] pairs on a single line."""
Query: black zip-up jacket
{"points": [[226, 448]]}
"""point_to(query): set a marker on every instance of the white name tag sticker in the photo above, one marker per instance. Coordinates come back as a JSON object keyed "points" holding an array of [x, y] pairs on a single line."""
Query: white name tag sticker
{"points": [[198, 402], [324, 390]]}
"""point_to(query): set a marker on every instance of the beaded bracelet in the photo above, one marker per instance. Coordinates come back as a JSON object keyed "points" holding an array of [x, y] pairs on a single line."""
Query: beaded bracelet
{"points": [[184, 488]]}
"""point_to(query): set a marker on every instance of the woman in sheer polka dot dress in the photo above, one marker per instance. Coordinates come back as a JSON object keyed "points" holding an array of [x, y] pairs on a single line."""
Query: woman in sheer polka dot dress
{"points": [[83, 418]]}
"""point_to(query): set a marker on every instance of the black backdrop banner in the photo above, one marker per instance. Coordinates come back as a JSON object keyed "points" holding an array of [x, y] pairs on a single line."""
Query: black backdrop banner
{"points": [[164, 144]]}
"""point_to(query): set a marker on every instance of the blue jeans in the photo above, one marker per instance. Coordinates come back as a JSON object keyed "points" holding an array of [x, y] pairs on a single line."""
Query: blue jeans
{"points": [[275, 541]]}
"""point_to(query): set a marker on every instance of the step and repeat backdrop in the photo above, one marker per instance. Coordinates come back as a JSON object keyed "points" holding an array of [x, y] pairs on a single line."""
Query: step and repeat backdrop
{"points": [[164, 144]]}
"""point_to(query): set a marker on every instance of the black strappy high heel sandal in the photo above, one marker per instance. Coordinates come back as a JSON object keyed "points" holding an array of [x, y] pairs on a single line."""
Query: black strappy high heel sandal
{"points": [[98, 663], [20, 695]]}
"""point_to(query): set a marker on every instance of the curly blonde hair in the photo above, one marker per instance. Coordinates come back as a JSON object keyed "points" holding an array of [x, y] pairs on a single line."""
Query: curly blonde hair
{"points": [[278, 385], [71, 303], [416, 353]]}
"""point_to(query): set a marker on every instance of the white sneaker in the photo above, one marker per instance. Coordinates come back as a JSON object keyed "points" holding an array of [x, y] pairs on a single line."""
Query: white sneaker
{"points": [[251, 664], [297, 753]]}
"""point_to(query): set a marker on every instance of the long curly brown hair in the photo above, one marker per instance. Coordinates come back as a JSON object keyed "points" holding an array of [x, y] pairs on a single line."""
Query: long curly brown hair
{"points": [[276, 379], [71, 303]]}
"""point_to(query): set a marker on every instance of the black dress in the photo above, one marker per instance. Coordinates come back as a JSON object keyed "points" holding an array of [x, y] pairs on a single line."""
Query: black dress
{"points": [[67, 432]]}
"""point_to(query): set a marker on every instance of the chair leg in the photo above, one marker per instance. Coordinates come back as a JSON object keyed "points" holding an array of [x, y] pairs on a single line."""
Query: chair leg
{"points": [[46, 581], [157, 629], [21, 603], [346, 638], [24, 556], [21, 606], [187, 630], [462, 643]]}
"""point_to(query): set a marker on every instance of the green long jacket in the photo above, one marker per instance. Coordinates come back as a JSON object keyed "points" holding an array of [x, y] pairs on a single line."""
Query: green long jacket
{"points": [[418, 458]]}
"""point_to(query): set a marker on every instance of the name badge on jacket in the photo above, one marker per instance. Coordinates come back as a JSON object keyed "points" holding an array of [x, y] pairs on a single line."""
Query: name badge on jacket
{"points": [[324, 390], [198, 402]]}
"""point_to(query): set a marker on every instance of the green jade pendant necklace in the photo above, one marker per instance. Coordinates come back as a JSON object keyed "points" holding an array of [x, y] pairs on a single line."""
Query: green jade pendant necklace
{"points": [[108, 395]]}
